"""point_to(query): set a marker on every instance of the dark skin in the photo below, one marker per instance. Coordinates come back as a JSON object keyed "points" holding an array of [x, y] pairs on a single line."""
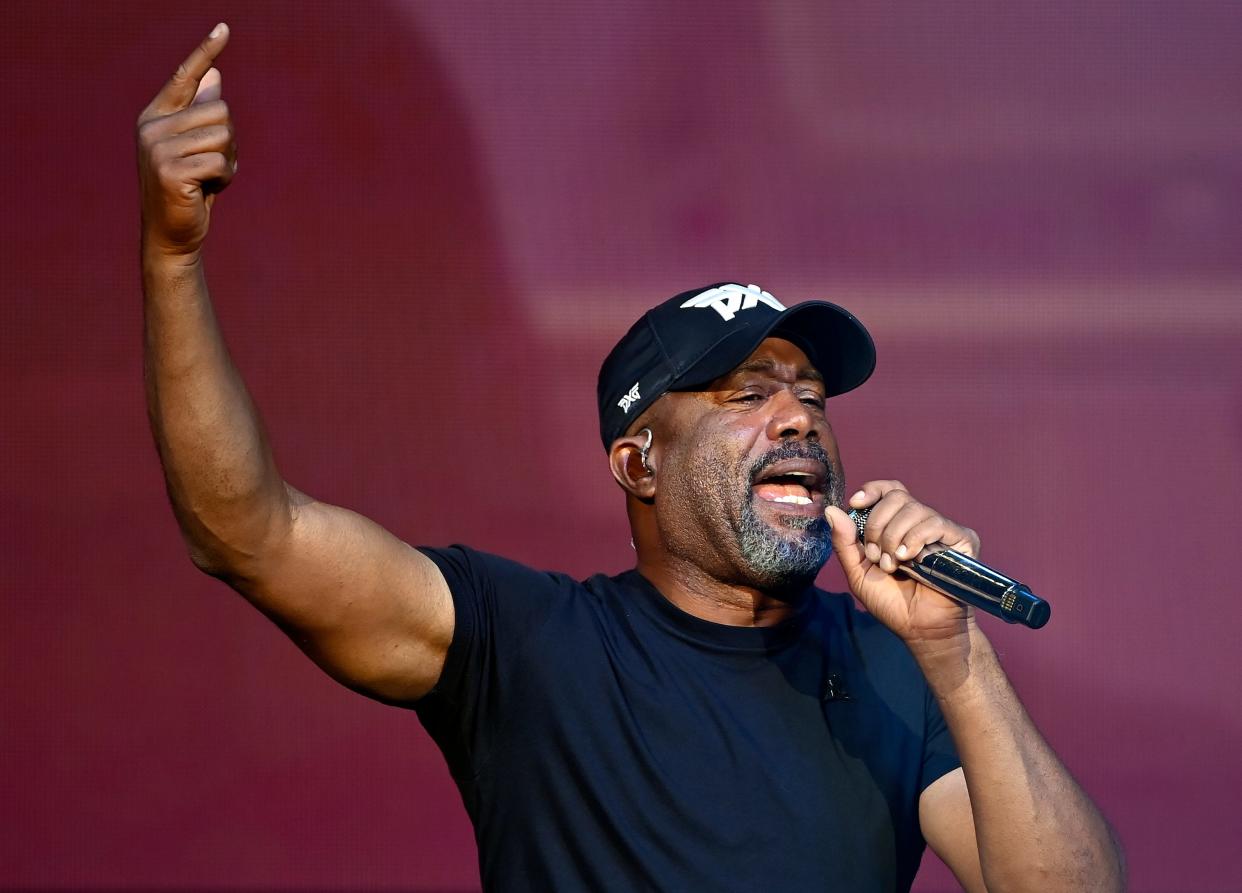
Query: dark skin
{"points": [[1010, 780], [377, 615], [371, 611], [685, 549]]}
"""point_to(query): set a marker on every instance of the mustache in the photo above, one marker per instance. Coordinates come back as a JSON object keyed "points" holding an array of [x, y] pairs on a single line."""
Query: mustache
{"points": [[807, 449]]}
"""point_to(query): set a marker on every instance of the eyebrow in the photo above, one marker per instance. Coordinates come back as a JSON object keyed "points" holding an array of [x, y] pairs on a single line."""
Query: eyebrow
{"points": [[771, 366]]}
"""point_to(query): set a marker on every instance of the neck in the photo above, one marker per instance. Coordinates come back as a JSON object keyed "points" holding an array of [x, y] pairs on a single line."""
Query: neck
{"points": [[701, 595]]}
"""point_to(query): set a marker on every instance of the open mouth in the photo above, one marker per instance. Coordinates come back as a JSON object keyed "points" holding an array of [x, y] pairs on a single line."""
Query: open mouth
{"points": [[794, 483]]}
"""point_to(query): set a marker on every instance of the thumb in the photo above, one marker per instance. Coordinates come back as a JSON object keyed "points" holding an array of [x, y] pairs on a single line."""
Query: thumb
{"points": [[210, 87], [845, 543]]}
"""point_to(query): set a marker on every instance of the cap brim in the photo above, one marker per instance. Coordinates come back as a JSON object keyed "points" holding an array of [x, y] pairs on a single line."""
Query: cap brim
{"points": [[836, 343]]}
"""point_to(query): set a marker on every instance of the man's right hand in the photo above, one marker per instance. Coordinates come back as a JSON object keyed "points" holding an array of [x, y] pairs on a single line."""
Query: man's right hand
{"points": [[186, 153], [371, 611]]}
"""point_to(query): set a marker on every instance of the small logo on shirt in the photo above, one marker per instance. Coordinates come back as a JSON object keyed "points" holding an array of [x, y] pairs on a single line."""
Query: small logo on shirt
{"points": [[629, 399], [834, 689], [727, 300]]}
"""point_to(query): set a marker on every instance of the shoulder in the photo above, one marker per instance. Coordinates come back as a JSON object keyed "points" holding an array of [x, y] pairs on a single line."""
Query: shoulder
{"points": [[465, 565], [501, 586]]}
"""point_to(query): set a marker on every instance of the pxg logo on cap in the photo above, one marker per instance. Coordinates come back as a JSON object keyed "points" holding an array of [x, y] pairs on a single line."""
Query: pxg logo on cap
{"points": [[728, 299]]}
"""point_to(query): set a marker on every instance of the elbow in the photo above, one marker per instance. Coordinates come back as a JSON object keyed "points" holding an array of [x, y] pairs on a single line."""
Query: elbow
{"points": [[231, 532], [232, 552], [206, 561], [1101, 871], [230, 542], [1116, 876], [226, 565]]}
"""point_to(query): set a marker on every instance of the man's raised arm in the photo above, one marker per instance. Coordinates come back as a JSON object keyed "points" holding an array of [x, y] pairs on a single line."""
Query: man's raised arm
{"points": [[370, 610]]}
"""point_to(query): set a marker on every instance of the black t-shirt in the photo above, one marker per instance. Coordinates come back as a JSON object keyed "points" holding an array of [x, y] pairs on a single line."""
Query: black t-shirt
{"points": [[603, 739]]}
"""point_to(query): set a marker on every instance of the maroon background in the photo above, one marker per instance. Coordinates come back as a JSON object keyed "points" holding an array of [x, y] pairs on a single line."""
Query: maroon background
{"points": [[445, 215]]}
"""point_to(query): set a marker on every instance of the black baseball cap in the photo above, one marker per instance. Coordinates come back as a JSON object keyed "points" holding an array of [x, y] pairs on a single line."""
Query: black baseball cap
{"points": [[699, 335]]}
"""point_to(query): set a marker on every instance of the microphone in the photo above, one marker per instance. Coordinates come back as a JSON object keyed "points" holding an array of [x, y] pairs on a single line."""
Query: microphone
{"points": [[971, 582]]}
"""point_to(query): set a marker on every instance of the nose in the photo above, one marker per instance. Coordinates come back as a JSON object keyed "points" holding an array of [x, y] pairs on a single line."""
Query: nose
{"points": [[793, 419]]}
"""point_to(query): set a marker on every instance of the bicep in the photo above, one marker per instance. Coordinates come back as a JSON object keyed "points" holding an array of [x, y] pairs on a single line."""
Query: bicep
{"points": [[370, 610], [949, 828]]}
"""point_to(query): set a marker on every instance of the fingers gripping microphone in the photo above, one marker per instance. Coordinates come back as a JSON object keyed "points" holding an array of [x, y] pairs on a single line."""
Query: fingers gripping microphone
{"points": [[962, 578]]}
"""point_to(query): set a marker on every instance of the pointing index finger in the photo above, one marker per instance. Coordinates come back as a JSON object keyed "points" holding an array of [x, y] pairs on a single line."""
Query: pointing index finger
{"points": [[179, 92]]}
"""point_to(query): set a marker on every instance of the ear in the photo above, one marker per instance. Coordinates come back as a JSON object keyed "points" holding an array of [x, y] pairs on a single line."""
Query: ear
{"points": [[626, 460]]}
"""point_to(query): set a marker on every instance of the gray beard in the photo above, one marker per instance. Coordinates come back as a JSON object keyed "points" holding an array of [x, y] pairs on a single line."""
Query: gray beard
{"points": [[780, 561]]}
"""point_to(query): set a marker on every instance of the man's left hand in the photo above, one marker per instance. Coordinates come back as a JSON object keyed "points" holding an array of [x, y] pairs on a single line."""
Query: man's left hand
{"points": [[897, 529]]}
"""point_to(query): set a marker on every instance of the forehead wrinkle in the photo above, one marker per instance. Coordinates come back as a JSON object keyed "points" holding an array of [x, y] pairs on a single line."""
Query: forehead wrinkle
{"points": [[771, 366]]}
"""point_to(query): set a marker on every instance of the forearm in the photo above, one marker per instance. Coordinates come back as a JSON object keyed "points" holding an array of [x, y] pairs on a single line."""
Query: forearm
{"points": [[225, 489], [1036, 828]]}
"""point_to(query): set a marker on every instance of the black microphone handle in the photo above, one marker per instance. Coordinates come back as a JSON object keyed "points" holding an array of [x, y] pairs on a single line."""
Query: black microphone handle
{"points": [[971, 582]]}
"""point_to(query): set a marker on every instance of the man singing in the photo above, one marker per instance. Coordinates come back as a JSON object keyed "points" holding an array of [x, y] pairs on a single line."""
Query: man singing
{"points": [[706, 721]]}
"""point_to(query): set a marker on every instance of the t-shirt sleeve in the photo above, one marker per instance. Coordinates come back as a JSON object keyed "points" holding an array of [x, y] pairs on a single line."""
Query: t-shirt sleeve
{"points": [[499, 607], [939, 753]]}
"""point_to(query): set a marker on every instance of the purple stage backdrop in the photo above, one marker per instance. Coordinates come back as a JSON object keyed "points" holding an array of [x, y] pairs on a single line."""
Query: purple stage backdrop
{"points": [[444, 216]]}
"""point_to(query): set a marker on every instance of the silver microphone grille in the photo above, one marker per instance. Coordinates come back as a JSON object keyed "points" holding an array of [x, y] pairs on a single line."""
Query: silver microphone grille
{"points": [[859, 517]]}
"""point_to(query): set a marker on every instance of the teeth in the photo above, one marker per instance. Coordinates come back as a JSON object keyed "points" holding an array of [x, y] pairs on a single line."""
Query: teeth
{"points": [[795, 500]]}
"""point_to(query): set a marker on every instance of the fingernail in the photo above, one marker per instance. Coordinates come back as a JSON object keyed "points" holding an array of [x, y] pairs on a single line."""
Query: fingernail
{"points": [[858, 496], [218, 30], [828, 519], [901, 551]]}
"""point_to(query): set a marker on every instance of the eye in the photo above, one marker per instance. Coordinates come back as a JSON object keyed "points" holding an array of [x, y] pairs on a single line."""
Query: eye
{"points": [[750, 397], [813, 400]]}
